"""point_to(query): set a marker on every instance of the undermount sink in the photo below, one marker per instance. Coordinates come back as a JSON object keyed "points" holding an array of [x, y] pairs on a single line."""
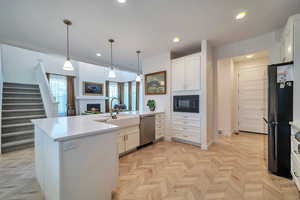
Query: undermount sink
{"points": [[123, 120]]}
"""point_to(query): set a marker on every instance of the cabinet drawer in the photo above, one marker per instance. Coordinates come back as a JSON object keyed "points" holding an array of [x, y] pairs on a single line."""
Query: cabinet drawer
{"points": [[195, 117], [192, 123], [133, 129], [295, 169]]}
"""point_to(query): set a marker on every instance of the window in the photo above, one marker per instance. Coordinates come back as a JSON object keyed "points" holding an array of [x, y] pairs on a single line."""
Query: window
{"points": [[113, 92], [58, 85], [126, 95], [133, 89]]}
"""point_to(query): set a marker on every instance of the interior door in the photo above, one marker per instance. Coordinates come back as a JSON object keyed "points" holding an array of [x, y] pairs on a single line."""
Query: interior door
{"points": [[192, 72], [252, 99]]}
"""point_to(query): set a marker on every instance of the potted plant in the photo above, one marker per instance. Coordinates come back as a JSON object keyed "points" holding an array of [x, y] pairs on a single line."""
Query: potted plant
{"points": [[151, 104]]}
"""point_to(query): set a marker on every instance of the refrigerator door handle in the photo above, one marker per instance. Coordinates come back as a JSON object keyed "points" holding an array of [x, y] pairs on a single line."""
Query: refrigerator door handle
{"points": [[275, 139]]}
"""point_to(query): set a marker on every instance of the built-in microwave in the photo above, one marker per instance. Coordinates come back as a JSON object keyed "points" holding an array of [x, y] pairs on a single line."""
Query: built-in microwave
{"points": [[186, 103]]}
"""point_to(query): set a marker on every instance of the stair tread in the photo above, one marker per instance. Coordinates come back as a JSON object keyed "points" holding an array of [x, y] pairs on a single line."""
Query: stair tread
{"points": [[31, 84], [16, 125], [17, 133], [22, 98], [20, 104], [23, 110], [20, 88], [24, 117], [16, 143], [20, 93]]}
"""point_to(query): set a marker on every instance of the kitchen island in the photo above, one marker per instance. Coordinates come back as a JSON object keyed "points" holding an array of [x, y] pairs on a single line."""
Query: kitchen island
{"points": [[77, 157]]}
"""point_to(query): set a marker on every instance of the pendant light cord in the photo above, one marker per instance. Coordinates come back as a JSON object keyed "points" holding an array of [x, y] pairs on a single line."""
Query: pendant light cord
{"points": [[138, 54], [111, 57], [138, 63], [68, 43]]}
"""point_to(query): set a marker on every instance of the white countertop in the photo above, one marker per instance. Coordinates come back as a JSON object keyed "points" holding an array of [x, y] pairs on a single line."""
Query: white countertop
{"points": [[144, 113], [66, 128]]}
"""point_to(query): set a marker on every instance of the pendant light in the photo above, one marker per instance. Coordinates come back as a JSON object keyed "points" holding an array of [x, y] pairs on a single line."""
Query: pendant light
{"points": [[68, 65], [138, 77], [112, 73]]}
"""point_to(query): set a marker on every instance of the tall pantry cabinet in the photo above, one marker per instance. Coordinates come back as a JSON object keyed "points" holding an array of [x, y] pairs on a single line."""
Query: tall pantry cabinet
{"points": [[193, 75]]}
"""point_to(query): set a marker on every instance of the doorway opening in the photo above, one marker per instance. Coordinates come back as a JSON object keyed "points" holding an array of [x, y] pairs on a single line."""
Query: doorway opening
{"points": [[243, 93]]}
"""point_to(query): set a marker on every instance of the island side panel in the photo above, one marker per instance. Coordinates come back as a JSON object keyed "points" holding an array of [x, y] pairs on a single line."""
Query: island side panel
{"points": [[39, 151], [52, 168], [89, 167], [47, 164]]}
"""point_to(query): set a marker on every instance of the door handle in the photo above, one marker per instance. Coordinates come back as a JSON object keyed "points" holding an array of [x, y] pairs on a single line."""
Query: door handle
{"points": [[266, 121]]}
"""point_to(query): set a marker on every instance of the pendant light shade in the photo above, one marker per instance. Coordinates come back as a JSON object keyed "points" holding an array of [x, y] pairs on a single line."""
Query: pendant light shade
{"points": [[112, 73], [138, 77], [68, 65]]}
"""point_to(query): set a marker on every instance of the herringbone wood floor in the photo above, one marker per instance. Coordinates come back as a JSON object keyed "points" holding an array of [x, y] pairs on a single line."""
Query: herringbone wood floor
{"points": [[233, 168]]}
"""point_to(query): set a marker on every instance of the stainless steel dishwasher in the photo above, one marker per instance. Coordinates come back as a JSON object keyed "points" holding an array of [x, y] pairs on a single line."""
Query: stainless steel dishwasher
{"points": [[147, 129]]}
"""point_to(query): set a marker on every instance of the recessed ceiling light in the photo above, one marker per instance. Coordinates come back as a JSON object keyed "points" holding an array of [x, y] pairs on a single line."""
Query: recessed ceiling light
{"points": [[241, 15], [176, 39], [250, 56], [98, 54], [122, 1]]}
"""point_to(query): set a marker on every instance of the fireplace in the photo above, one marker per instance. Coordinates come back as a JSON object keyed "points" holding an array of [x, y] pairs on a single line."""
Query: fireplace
{"points": [[93, 107]]}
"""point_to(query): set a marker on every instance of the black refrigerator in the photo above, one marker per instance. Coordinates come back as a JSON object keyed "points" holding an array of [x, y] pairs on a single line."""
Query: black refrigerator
{"points": [[280, 113]]}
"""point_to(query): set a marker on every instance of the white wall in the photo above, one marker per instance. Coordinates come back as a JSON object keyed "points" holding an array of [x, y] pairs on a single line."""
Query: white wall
{"points": [[225, 96], [269, 41], [1, 89], [297, 70], [155, 64], [19, 64], [94, 73]]}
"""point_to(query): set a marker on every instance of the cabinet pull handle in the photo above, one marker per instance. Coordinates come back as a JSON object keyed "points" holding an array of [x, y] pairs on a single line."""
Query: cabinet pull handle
{"points": [[296, 175], [296, 152]]}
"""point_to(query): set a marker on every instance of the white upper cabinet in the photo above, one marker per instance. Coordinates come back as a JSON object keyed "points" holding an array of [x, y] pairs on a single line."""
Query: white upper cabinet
{"points": [[186, 73], [192, 72], [178, 74]]}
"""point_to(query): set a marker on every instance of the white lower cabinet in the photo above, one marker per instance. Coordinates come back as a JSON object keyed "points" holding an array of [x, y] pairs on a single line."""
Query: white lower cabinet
{"points": [[295, 158], [186, 126], [159, 126], [129, 138]]}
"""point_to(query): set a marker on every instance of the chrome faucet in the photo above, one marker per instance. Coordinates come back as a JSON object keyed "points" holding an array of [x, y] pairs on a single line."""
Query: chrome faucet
{"points": [[111, 109]]}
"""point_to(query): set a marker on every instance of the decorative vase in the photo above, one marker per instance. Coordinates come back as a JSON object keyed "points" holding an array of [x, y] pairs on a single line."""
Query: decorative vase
{"points": [[152, 108]]}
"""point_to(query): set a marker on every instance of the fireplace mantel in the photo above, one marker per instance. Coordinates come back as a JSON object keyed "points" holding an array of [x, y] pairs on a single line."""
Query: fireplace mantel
{"points": [[91, 98]]}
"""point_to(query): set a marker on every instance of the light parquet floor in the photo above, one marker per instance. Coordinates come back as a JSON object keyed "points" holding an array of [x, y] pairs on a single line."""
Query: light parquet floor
{"points": [[232, 169]]}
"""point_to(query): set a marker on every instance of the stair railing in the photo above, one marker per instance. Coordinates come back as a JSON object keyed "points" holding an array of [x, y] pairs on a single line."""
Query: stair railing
{"points": [[50, 104]]}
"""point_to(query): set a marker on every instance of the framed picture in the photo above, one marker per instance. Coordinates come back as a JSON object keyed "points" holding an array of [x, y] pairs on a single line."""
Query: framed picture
{"points": [[156, 83], [92, 89]]}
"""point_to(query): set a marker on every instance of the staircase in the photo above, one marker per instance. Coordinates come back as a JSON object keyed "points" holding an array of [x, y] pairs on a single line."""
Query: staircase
{"points": [[21, 103]]}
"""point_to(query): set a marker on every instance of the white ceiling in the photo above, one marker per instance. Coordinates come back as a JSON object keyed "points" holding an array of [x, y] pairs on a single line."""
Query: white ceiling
{"points": [[148, 25]]}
